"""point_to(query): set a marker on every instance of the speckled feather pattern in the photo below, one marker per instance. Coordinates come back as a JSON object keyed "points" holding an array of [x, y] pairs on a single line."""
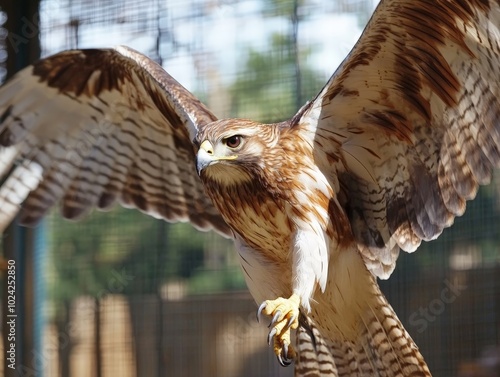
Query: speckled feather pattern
{"points": [[91, 128], [384, 157]]}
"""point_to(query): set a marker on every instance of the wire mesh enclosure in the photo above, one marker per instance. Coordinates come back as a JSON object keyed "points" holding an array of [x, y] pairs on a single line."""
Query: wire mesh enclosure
{"points": [[123, 294]]}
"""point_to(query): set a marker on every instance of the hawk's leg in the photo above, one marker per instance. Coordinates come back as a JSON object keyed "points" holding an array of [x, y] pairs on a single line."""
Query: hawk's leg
{"points": [[285, 317]]}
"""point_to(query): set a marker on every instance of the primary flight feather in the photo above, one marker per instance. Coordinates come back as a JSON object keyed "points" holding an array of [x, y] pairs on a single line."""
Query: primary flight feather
{"points": [[319, 205]]}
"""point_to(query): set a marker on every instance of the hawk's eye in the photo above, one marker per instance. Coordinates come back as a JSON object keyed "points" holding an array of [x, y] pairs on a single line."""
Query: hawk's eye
{"points": [[233, 141]]}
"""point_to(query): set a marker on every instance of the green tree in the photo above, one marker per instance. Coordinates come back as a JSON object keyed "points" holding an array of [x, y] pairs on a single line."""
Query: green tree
{"points": [[86, 255], [275, 82]]}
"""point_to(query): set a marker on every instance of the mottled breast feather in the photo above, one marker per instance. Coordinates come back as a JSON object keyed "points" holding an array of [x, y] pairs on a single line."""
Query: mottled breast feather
{"points": [[384, 157]]}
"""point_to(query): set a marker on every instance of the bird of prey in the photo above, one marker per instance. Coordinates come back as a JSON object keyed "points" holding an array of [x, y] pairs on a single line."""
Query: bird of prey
{"points": [[319, 205]]}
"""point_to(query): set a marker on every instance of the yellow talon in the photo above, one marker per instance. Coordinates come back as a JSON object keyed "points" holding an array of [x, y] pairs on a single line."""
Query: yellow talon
{"points": [[285, 316]]}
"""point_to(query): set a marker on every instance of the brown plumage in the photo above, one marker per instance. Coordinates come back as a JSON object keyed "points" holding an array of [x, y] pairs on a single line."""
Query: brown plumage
{"points": [[385, 156]]}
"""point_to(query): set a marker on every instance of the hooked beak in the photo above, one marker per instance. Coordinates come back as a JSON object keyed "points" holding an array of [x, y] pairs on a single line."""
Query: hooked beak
{"points": [[205, 156]]}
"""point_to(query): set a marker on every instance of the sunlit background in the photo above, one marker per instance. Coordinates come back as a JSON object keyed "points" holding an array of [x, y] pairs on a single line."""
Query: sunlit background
{"points": [[122, 294]]}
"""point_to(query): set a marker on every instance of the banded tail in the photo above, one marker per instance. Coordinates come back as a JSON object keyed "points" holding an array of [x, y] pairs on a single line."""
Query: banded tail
{"points": [[358, 335], [383, 349]]}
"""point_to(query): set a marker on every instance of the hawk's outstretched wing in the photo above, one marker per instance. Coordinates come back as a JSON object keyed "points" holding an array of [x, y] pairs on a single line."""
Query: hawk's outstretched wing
{"points": [[392, 147], [410, 122], [91, 127]]}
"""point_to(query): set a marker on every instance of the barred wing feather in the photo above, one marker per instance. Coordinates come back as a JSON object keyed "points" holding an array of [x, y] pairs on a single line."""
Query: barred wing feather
{"points": [[87, 128]]}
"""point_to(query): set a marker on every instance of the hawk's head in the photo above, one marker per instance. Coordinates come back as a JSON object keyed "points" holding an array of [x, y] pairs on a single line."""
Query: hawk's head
{"points": [[233, 150]]}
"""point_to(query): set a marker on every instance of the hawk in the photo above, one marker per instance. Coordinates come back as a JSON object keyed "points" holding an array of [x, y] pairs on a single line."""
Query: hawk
{"points": [[319, 205]]}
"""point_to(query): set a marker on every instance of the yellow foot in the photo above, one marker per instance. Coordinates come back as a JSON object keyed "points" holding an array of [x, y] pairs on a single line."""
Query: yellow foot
{"points": [[285, 314]]}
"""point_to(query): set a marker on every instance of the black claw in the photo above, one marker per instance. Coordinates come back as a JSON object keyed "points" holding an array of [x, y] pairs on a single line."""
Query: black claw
{"points": [[271, 335], [275, 318], [284, 361], [280, 360], [259, 312]]}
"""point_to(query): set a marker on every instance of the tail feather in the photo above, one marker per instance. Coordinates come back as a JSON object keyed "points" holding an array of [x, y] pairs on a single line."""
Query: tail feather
{"points": [[314, 356], [390, 349], [381, 346]]}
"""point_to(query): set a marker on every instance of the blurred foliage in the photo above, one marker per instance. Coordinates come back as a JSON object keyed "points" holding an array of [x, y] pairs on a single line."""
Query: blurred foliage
{"points": [[273, 83], [142, 253], [266, 89]]}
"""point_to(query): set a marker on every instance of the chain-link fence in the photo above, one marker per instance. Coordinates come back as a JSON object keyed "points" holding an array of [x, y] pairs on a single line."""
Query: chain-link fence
{"points": [[127, 295]]}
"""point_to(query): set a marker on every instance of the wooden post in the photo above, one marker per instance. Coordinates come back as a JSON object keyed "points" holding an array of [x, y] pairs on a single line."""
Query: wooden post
{"points": [[23, 47]]}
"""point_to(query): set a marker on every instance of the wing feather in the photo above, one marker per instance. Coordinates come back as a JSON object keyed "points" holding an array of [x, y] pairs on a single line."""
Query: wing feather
{"points": [[87, 128], [417, 97]]}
